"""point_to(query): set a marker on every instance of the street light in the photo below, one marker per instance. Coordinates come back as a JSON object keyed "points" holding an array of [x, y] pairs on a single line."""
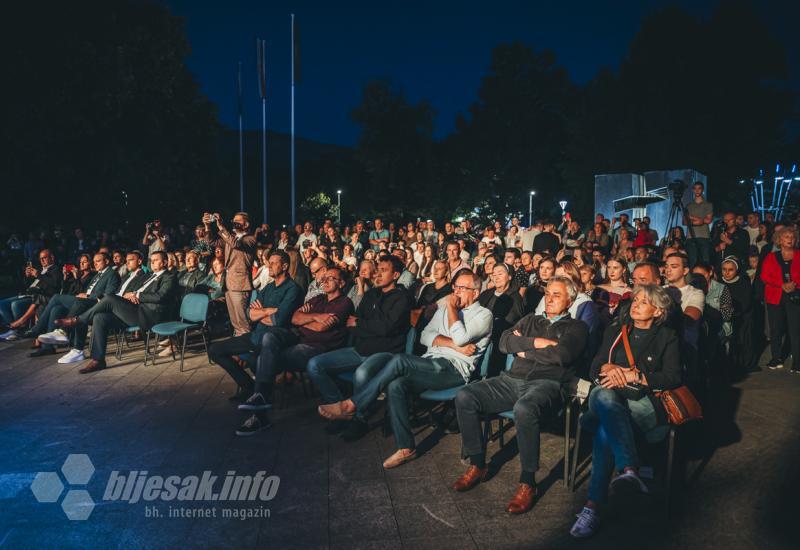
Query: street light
{"points": [[530, 208], [563, 205], [339, 206]]}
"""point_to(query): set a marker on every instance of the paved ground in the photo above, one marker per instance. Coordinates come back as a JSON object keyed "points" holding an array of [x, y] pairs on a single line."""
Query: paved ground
{"points": [[336, 495]]}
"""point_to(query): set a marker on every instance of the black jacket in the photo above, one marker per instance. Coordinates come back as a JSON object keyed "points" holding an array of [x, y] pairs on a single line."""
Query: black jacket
{"points": [[546, 244], [48, 283], [656, 354], [550, 363], [136, 283], [384, 319], [157, 303]]}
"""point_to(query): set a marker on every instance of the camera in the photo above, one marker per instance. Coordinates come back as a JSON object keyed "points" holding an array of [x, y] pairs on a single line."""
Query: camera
{"points": [[678, 188], [307, 243]]}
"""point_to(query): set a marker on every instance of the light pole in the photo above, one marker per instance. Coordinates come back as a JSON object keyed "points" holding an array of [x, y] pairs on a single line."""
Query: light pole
{"points": [[530, 208], [339, 206], [563, 205]]}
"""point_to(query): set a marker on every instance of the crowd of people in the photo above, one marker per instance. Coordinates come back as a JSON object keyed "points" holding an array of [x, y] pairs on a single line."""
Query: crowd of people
{"points": [[407, 308]]}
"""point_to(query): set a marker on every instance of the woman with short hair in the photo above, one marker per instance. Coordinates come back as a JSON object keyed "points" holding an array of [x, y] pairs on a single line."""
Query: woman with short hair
{"points": [[622, 402]]}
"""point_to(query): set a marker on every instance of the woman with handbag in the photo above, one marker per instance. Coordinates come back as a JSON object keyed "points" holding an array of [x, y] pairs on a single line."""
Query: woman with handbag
{"points": [[632, 361], [780, 274]]}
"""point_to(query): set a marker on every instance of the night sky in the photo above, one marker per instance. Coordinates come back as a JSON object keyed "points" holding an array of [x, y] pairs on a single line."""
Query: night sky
{"points": [[437, 53]]}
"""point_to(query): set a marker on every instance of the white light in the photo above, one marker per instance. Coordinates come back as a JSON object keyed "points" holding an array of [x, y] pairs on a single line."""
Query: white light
{"points": [[533, 193], [338, 191], [562, 204]]}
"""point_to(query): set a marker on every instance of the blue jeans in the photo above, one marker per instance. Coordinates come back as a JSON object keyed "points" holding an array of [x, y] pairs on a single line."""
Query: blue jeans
{"points": [[324, 367], [13, 308], [613, 419], [418, 374]]}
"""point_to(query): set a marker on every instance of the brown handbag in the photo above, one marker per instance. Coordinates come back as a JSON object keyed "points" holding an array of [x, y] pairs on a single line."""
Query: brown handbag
{"points": [[680, 404]]}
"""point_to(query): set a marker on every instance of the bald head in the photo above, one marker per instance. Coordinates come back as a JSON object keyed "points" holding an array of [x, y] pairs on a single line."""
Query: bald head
{"points": [[317, 268]]}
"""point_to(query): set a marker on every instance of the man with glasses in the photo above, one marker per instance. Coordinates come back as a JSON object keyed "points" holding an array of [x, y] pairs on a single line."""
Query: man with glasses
{"points": [[317, 326], [43, 283], [456, 338], [317, 267], [239, 249]]}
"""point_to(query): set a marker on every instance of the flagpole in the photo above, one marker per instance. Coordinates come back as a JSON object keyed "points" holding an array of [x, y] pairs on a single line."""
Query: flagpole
{"points": [[292, 129], [241, 142], [263, 85]]}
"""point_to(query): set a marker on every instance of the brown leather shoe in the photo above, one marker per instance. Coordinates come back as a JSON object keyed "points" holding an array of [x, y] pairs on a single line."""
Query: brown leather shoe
{"points": [[522, 501], [67, 322], [470, 479], [93, 366]]}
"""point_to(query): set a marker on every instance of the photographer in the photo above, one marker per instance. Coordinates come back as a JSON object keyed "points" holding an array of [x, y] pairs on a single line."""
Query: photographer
{"points": [[238, 254], [153, 238]]}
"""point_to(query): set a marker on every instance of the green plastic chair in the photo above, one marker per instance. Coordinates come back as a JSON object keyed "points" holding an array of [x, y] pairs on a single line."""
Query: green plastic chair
{"points": [[194, 309]]}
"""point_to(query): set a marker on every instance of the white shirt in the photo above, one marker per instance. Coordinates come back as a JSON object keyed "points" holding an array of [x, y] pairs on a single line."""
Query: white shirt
{"points": [[95, 281], [149, 282], [474, 326], [303, 237], [133, 275], [692, 297], [753, 232]]}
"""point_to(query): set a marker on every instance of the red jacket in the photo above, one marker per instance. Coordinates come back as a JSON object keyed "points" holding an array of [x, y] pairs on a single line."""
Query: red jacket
{"points": [[772, 276]]}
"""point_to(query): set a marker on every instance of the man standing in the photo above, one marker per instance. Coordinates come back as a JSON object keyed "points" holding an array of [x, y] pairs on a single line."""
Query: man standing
{"points": [[546, 348], [239, 250], [378, 236], [732, 241], [547, 242], [699, 213]]}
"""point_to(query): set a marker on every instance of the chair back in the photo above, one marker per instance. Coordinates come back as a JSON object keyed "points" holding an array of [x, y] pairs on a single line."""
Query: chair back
{"points": [[194, 308], [485, 360], [509, 360], [410, 337]]}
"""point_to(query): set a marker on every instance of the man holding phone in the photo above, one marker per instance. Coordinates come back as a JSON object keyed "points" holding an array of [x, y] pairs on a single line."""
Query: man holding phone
{"points": [[239, 248]]}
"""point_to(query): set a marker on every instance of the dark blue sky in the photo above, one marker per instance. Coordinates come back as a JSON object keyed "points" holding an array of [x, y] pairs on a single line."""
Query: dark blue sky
{"points": [[437, 51]]}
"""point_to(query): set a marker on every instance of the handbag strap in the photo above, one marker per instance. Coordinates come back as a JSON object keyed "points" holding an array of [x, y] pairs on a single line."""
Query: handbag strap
{"points": [[627, 344]]}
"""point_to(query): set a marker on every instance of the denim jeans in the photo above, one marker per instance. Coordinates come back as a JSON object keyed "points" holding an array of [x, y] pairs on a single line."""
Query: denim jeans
{"points": [[13, 308], [698, 250], [280, 346], [414, 376], [530, 400], [613, 419], [323, 369]]}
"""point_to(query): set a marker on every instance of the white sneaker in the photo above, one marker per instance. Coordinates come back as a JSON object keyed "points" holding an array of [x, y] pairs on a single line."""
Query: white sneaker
{"points": [[55, 338], [9, 335], [630, 479], [73, 356], [586, 525]]}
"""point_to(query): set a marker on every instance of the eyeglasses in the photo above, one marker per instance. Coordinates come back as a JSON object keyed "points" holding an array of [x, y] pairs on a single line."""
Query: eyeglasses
{"points": [[460, 287]]}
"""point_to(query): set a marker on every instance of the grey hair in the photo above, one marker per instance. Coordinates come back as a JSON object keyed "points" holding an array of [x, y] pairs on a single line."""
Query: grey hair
{"points": [[656, 297], [572, 288]]}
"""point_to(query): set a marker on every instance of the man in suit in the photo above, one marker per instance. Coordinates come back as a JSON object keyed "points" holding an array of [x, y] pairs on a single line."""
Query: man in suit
{"points": [[104, 282], [152, 303], [240, 249], [42, 284], [135, 278]]}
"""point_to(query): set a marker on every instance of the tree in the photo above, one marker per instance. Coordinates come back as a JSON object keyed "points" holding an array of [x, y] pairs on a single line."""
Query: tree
{"points": [[318, 206], [102, 103]]}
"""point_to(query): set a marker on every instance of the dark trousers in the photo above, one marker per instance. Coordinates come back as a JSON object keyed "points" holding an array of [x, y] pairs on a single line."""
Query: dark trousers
{"points": [[117, 314], [81, 305], [784, 322], [698, 250], [530, 400], [280, 346], [222, 354]]}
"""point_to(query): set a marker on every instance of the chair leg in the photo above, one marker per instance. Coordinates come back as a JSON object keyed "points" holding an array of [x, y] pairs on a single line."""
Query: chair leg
{"points": [[500, 432], [183, 348], [118, 353], [567, 429], [575, 454], [670, 459], [147, 347], [205, 345]]}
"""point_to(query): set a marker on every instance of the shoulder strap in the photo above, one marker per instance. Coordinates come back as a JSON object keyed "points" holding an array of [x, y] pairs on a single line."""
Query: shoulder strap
{"points": [[627, 343]]}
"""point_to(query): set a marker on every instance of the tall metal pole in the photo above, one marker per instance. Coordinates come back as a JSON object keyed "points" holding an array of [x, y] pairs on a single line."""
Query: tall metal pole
{"points": [[530, 208], [339, 206], [292, 128], [264, 131], [241, 141]]}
